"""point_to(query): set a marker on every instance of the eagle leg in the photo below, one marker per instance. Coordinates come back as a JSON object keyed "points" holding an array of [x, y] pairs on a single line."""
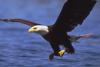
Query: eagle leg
{"points": [[51, 56], [68, 47]]}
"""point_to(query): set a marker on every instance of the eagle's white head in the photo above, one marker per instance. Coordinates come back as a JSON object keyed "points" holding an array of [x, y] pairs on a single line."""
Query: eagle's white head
{"points": [[40, 29]]}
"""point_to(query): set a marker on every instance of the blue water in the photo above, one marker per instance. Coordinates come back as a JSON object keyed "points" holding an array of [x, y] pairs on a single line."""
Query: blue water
{"points": [[18, 48]]}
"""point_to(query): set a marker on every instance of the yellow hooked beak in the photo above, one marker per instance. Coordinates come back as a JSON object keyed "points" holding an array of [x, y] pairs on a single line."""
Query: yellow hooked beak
{"points": [[31, 30]]}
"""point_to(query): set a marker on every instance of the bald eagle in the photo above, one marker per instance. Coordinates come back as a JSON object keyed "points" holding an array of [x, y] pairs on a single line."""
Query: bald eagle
{"points": [[72, 14]]}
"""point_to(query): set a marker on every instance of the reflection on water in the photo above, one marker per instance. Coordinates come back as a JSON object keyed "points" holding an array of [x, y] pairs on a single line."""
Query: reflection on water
{"points": [[18, 48]]}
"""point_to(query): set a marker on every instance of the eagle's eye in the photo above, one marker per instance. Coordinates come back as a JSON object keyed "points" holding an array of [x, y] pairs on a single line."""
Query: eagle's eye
{"points": [[34, 28]]}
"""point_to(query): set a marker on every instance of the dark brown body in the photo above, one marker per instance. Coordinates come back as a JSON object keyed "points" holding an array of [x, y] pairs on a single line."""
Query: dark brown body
{"points": [[57, 38]]}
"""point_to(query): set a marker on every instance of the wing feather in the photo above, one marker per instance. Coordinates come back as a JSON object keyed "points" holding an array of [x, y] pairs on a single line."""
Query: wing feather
{"points": [[29, 23], [73, 13]]}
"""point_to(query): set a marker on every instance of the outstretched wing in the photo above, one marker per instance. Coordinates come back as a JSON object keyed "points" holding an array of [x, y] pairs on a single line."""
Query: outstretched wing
{"points": [[29, 23], [73, 13]]}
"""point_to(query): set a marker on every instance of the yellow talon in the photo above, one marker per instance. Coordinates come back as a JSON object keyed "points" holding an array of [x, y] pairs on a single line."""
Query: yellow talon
{"points": [[61, 53]]}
